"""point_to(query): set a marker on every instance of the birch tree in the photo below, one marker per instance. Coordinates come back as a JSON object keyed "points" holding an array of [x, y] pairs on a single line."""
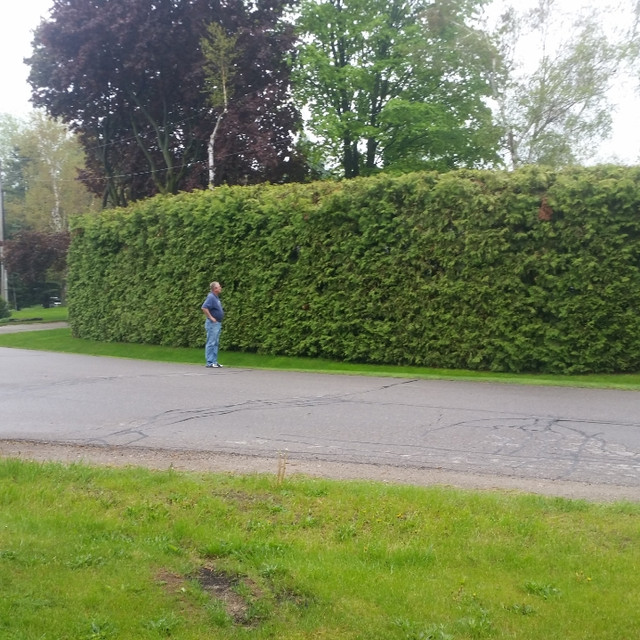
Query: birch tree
{"points": [[554, 107], [219, 50]]}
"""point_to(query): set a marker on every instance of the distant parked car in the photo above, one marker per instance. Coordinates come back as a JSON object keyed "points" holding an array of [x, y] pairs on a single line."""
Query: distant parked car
{"points": [[54, 301]]}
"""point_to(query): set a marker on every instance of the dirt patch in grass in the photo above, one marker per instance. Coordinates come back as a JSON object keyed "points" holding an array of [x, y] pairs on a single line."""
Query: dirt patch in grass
{"points": [[220, 586], [223, 587]]}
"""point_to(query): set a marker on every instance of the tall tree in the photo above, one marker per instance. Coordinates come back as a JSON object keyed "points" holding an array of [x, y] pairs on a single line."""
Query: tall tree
{"points": [[40, 164], [219, 55], [31, 254], [396, 84], [554, 106], [128, 76], [53, 192], [11, 169]]}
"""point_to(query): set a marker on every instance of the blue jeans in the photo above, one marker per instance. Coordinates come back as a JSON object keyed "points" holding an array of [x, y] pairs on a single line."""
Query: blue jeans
{"points": [[213, 330]]}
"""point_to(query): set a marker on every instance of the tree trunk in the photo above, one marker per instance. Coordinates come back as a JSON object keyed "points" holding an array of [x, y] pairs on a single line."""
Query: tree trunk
{"points": [[211, 147]]}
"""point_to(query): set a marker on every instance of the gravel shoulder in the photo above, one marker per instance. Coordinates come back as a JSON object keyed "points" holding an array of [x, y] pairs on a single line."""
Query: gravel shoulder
{"points": [[212, 462]]}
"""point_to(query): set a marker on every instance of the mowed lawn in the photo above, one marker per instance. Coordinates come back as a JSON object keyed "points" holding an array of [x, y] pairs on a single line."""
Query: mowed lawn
{"points": [[91, 552]]}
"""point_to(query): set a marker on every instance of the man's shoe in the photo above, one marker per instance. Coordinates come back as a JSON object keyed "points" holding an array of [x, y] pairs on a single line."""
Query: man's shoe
{"points": [[217, 365], [209, 366]]}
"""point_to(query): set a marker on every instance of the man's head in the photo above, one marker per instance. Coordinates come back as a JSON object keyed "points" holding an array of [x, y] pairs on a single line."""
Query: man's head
{"points": [[215, 288]]}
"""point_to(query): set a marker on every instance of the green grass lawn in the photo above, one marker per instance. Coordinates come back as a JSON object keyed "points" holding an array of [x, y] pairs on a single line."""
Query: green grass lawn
{"points": [[89, 553], [36, 314]]}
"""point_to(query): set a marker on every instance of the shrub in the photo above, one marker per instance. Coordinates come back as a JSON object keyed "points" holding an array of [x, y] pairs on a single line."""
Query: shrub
{"points": [[526, 271]]}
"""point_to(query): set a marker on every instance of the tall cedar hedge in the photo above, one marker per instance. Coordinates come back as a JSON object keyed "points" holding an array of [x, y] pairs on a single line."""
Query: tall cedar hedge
{"points": [[527, 271]]}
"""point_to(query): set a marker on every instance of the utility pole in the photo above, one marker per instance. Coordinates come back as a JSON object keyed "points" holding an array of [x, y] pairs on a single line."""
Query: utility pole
{"points": [[4, 281]]}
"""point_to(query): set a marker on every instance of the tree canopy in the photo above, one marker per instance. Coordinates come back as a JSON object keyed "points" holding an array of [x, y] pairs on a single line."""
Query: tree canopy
{"points": [[555, 110], [128, 77], [183, 94], [399, 84], [40, 163], [30, 254], [36, 262]]}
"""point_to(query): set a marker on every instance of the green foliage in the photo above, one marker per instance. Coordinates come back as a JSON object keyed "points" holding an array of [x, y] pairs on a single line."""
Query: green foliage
{"points": [[131, 82], [40, 161], [397, 85], [557, 112], [36, 262], [526, 271]]}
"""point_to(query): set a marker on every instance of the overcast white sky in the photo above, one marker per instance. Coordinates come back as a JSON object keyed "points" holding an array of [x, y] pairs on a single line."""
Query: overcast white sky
{"points": [[18, 19]]}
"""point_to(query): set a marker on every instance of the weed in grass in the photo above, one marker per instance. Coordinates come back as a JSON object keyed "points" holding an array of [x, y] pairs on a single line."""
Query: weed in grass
{"points": [[521, 609], [103, 630], [309, 521], [84, 561], [164, 626], [271, 571], [413, 631], [346, 532], [282, 468], [259, 525], [544, 591], [477, 623]]}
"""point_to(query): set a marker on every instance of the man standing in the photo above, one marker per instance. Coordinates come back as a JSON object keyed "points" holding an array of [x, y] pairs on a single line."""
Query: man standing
{"points": [[212, 309]]}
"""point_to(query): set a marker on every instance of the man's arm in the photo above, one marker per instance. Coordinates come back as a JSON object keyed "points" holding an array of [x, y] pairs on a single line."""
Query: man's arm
{"points": [[208, 314], [207, 311]]}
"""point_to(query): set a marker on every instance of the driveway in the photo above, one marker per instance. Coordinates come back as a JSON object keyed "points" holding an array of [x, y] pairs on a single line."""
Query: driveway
{"points": [[581, 443]]}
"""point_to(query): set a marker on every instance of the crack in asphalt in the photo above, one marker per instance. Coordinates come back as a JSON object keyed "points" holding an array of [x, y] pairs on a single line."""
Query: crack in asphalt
{"points": [[414, 428], [514, 442]]}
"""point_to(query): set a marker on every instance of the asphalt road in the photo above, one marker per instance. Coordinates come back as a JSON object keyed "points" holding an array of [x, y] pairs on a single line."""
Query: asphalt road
{"points": [[543, 435]]}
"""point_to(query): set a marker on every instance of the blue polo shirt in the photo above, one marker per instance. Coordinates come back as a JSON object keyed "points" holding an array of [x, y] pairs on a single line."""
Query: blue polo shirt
{"points": [[215, 306]]}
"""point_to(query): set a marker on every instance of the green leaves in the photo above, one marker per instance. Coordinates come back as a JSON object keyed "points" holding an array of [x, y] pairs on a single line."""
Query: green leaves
{"points": [[556, 113], [395, 85], [526, 271]]}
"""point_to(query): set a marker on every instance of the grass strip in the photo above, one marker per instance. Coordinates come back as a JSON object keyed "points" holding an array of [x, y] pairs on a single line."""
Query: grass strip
{"points": [[60, 340], [133, 553], [36, 314]]}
